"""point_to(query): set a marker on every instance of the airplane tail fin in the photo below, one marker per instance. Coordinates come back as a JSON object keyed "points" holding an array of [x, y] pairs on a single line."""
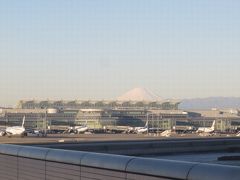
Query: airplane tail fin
{"points": [[146, 125], [23, 122], [213, 125]]}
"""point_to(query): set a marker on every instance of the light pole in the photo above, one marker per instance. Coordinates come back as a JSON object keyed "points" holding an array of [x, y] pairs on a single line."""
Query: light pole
{"points": [[147, 125], [158, 124], [44, 123]]}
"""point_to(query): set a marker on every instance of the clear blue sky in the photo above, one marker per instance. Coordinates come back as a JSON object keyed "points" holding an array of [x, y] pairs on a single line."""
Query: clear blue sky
{"points": [[98, 49]]}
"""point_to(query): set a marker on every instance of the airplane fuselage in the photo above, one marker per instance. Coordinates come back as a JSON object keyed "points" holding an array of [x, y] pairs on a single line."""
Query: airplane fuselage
{"points": [[81, 129], [15, 130], [205, 130], [142, 130]]}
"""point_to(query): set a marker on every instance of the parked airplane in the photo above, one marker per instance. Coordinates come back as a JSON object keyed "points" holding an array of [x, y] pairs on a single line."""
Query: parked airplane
{"points": [[81, 129], [16, 130], [166, 133], [118, 129], [207, 129], [77, 129], [141, 130]]}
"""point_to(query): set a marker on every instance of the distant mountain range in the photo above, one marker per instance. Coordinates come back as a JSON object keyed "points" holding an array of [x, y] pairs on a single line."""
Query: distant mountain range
{"points": [[211, 102]]}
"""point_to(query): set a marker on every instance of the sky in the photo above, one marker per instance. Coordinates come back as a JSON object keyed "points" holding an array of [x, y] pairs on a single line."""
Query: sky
{"points": [[99, 49]]}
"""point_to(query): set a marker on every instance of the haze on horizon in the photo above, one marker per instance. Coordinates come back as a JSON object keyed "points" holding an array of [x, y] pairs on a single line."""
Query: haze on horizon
{"points": [[99, 49]]}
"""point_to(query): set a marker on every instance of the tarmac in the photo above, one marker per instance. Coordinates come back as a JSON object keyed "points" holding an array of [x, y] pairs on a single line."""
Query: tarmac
{"points": [[78, 138]]}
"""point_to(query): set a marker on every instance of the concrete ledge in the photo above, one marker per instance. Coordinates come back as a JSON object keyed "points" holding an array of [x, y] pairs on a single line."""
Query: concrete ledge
{"points": [[160, 168], [210, 172], [10, 149], [64, 156], [106, 161], [22, 162], [33, 152]]}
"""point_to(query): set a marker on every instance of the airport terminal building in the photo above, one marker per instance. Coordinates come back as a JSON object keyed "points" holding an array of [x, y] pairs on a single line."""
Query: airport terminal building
{"points": [[98, 104], [100, 118], [138, 98], [131, 109]]}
